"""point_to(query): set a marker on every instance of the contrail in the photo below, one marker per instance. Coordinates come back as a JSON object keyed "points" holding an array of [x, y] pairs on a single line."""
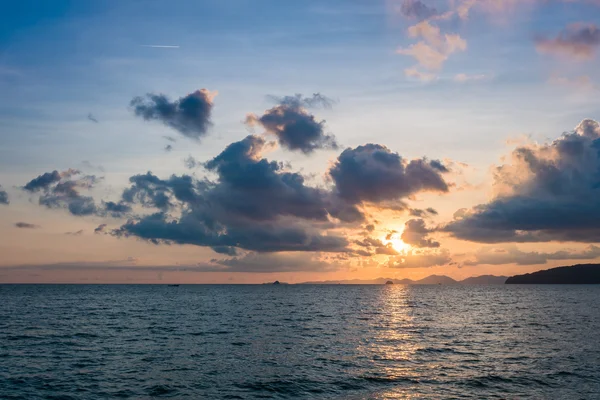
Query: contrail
{"points": [[160, 46]]}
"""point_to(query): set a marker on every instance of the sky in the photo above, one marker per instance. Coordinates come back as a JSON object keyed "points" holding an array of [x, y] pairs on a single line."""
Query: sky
{"points": [[250, 141]]}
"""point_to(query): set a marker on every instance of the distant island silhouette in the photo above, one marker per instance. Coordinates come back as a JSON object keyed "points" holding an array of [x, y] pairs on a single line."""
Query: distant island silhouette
{"points": [[576, 274], [430, 280]]}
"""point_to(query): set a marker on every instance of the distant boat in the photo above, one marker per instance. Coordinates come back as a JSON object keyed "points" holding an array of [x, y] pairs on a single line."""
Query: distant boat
{"points": [[174, 285], [389, 283], [276, 283]]}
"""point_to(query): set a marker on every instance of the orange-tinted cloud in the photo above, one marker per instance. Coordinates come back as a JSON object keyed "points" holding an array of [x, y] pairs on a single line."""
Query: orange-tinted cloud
{"points": [[432, 52]]}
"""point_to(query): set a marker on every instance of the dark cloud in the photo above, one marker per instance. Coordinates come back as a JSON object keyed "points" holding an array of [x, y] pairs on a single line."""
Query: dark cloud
{"points": [[255, 188], [100, 229], [115, 210], [159, 228], [66, 194], [294, 127], [153, 192], [63, 190], [3, 196], [43, 181], [512, 255], [228, 250], [415, 233], [578, 40], [92, 118], [549, 192], [299, 101], [25, 225], [415, 212], [189, 115], [76, 233], [375, 246], [373, 173], [168, 148], [417, 9], [254, 205]]}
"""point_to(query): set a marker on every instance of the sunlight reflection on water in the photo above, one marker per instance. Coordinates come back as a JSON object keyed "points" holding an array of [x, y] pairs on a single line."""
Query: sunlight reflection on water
{"points": [[299, 342]]}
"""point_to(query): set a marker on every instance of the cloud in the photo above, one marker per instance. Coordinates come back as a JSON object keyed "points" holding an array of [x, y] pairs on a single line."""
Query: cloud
{"points": [[420, 259], [512, 255], [191, 163], [373, 173], [159, 228], [415, 212], [417, 9], [298, 101], [292, 124], [43, 181], [251, 262], [272, 262], [100, 229], [115, 210], [66, 194], [432, 52], [3, 196], [189, 115], [62, 190], [546, 192], [168, 148], [153, 192], [578, 41], [254, 205], [464, 7], [415, 234], [92, 118], [228, 250], [77, 233], [25, 225], [374, 246]]}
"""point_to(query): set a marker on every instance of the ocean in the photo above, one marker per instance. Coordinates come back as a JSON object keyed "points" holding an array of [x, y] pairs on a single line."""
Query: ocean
{"points": [[299, 342]]}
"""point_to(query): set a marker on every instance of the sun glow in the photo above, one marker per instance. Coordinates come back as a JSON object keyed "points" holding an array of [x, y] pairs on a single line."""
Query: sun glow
{"points": [[398, 245], [393, 239]]}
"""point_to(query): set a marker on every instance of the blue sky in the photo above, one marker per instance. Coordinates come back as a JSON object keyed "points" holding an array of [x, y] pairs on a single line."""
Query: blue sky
{"points": [[62, 60]]}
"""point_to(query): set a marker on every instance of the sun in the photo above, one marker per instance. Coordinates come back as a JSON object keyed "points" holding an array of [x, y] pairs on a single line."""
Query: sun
{"points": [[398, 245], [393, 238]]}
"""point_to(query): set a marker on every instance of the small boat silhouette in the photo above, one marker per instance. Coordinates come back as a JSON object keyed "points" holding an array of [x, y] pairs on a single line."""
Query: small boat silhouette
{"points": [[175, 285]]}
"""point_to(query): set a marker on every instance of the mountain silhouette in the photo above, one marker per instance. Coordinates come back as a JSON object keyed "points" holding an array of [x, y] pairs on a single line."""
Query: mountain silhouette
{"points": [[430, 280], [576, 274]]}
